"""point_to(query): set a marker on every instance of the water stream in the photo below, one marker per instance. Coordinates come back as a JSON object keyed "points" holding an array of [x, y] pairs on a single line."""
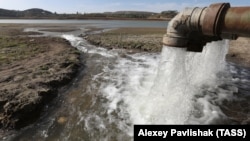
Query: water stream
{"points": [[118, 89]]}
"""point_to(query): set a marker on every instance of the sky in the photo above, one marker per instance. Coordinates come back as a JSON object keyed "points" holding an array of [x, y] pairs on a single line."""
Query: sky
{"points": [[92, 6]]}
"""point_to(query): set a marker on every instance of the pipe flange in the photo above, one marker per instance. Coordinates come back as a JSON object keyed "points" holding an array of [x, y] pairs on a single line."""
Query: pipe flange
{"points": [[212, 19]]}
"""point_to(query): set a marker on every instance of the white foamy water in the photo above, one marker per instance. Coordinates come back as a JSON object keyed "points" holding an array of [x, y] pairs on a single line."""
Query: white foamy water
{"points": [[86, 48], [120, 89], [176, 87]]}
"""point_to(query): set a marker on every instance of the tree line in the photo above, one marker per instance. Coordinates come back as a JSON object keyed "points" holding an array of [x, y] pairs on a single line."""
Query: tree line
{"points": [[36, 13]]}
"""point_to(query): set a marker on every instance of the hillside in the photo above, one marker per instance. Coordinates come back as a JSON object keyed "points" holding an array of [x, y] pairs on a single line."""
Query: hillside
{"points": [[29, 13], [36, 13]]}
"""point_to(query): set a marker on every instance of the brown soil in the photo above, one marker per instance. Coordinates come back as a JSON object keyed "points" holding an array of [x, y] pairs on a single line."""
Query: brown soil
{"points": [[31, 71], [142, 39], [239, 52]]}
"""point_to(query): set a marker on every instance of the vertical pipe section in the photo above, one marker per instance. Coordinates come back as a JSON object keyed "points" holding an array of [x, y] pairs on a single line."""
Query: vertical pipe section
{"points": [[237, 21]]}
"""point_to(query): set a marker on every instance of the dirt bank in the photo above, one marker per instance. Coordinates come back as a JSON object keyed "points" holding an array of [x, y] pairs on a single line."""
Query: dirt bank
{"points": [[141, 39], [239, 52], [31, 71], [150, 39]]}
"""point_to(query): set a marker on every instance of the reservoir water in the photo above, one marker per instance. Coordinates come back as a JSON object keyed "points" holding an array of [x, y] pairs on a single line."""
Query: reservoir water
{"points": [[96, 23]]}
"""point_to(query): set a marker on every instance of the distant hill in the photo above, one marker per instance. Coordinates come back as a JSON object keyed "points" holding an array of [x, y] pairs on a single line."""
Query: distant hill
{"points": [[8, 13], [29, 13], [134, 15], [129, 14], [36, 13]]}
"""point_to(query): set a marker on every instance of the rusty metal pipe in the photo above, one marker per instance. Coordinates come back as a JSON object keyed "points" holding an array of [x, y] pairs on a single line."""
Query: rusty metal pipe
{"points": [[237, 21], [194, 27]]}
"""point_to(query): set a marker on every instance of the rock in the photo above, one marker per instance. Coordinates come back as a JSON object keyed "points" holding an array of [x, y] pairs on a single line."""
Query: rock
{"points": [[62, 120], [18, 78]]}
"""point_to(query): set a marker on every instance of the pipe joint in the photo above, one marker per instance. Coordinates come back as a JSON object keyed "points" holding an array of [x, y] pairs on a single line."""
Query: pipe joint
{"points": [[194, 27], [179, 29], [185, 29]]}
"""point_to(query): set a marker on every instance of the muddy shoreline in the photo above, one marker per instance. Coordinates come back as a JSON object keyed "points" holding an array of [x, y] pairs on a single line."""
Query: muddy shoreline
{"points": [[32, 69]]}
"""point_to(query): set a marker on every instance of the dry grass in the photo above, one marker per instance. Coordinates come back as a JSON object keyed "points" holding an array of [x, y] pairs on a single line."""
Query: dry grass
{"points": [[144, 39], [239, 51]]}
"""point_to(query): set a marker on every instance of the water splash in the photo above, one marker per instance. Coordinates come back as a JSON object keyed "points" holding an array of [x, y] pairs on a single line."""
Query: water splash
{"points": [[182, 76], [178, 87], [121, 89]]}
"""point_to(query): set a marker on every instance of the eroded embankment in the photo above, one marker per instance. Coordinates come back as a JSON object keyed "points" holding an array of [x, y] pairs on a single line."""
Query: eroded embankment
{"points": [[31, 71]]}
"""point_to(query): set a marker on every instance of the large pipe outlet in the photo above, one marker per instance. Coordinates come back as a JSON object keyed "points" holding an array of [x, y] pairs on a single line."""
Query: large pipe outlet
{"points": [[194, 27]]}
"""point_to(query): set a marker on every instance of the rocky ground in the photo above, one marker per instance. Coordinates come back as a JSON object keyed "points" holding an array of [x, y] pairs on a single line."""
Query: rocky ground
{"points": [[31, 71], [146, 38]]}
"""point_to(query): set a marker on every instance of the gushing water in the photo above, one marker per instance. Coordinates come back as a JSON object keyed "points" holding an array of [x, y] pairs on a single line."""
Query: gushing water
{"points": [[167, 89], [120, 89]]}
